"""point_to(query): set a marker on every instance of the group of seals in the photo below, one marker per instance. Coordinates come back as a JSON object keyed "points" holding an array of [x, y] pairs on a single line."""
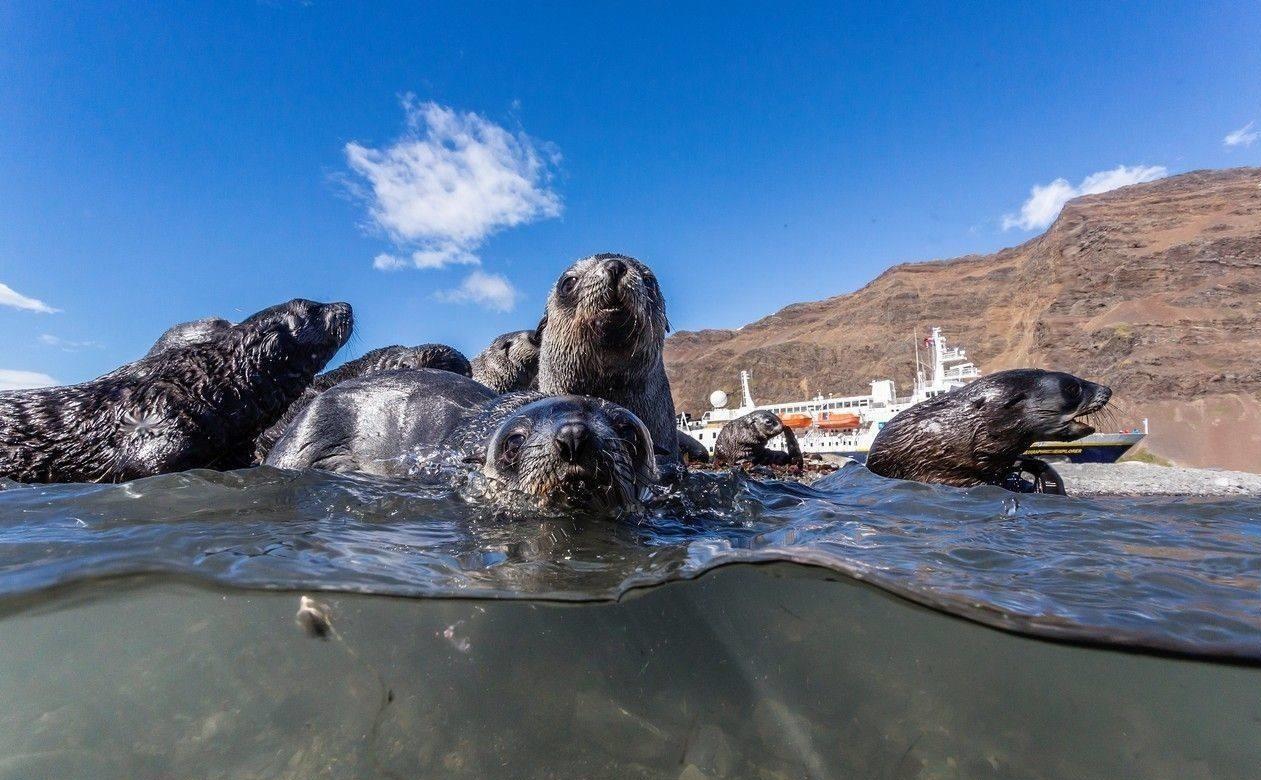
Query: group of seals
{"points": [[559, 452], [197, 405], [575, 412], [976, 434]]}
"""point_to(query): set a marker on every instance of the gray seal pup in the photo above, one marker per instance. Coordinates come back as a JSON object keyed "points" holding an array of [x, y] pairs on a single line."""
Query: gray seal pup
{"points": [[603, 335], [186, 333], [742, 442], [555, 452], [197, 406], [975, 435], [510, 363], [436, 356]]}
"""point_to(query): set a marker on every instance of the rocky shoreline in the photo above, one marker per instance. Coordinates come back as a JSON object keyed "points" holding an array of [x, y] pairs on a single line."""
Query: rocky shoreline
{"points": [[1147, 479]]}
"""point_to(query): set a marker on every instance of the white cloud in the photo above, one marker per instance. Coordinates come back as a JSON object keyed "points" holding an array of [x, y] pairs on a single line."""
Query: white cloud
{"points": [[11, 297], [490, 290], [49, 340], [1046, 200], [453, 180], [438, 256], [24, 380], [1244, 136]]}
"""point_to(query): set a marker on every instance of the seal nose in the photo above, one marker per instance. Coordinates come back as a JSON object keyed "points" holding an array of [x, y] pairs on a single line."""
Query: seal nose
{"points": [[615, 269], [571, 440]]}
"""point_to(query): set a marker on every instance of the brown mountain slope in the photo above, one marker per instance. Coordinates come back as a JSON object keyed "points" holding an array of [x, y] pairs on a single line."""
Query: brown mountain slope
{"points": [[1154, 289]]}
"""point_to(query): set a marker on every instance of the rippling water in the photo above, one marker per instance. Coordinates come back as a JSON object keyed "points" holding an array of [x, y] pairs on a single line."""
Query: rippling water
{"points": [[1181, 575], [147, 631]]}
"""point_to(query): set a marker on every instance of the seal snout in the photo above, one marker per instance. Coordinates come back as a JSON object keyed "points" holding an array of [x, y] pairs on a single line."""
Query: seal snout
{"points": [[339, 318], [572, 441]]}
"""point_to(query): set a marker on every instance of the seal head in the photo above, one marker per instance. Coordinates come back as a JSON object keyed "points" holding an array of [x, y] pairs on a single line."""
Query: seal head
{"points": [[510, 363], [572, 452], [603, 335]]}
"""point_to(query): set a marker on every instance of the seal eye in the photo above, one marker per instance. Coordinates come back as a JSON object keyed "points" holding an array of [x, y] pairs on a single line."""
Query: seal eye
{"points": [[1073, 391], [511, 451], [568, 284], [628, 432]]}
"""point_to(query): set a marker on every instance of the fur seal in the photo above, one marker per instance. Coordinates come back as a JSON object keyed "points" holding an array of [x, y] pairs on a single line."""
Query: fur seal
{"points": [[510, 363], [559, 452], [691, 450], [436, 356], [743, 441], [196, 332], [603, 335], [196, 406], [975, 435]]}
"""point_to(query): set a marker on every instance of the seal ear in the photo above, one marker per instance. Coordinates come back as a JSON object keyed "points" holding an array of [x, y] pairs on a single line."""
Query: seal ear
{"points": [[978, 403], [1019, 398], [536, 338], [474, 457]]}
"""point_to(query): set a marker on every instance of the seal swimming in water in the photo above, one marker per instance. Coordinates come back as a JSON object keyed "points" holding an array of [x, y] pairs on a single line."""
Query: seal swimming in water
{"points": [[187, 333], [510, 363], [603, 335], [560, 452], [975, 435], [436, 356], [743, 442], [196, 406]]}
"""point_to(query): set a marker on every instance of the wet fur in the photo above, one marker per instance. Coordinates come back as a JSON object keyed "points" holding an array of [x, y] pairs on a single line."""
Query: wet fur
{"points": [[743, 441], [188, 333], [417, 422], [196, 406], [973, 435], [510, 363], [435, 356], [605, 339]]}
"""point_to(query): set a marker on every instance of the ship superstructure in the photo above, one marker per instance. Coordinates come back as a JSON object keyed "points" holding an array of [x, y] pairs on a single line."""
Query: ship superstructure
{"points": [[847, 425]]}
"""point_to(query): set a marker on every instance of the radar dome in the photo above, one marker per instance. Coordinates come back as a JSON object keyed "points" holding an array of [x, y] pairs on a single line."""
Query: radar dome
{"points": [[718, 399]]}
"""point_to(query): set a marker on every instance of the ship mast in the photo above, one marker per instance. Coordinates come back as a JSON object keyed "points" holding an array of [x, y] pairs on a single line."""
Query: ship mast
{"points": [[746, 395]]}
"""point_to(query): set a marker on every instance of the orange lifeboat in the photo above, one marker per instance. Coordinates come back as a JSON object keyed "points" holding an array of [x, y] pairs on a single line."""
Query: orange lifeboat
{"points": [[796, 421], [840, 422]]}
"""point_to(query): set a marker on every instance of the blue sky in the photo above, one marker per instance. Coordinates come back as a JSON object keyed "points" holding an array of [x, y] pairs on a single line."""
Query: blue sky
{"points": [[167, 162]]}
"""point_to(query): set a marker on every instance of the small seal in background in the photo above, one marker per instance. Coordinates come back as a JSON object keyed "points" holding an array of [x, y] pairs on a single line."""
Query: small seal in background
{"points": [[976, 434], [510, 363], [742, 442]]}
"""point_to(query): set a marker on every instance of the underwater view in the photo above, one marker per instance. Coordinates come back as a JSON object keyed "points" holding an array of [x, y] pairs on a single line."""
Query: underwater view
{"points": [[271, 623]]}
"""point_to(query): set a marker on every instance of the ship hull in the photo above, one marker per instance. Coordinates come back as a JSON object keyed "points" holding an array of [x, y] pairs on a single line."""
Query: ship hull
{"points": [[1096, 448]]}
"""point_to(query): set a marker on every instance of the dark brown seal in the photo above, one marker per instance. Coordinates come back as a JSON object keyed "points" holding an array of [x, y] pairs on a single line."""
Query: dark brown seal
{"points": [[188, 333], [197, 406], [603, 335], [742, 442], [510, 363], [557, 452], [436, 356], [975, 434]]}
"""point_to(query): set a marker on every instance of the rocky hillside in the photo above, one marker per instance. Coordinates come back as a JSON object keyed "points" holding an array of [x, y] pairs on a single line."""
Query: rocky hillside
{"points": [[1154, 289]]}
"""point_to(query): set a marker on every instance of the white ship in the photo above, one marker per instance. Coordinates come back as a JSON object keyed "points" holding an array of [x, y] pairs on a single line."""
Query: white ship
{"points": [[847, 425]]}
